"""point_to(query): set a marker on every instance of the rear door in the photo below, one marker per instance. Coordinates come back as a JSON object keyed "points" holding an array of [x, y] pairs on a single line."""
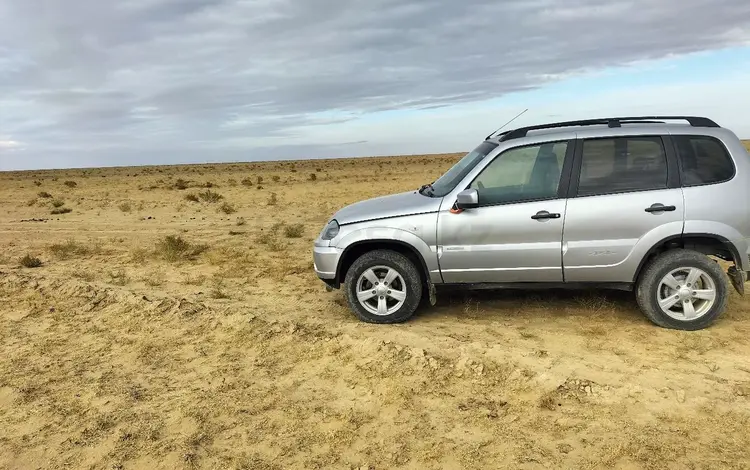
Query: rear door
{"points": [[624, 197]]}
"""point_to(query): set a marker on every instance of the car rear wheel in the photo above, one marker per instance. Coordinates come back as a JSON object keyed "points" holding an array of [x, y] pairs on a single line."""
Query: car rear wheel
{"points": [[383, 286], [682, 289]]}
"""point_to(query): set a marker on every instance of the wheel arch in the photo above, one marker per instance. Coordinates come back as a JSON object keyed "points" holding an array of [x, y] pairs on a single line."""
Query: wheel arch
{"points": [[358, 248], [706, 243]]}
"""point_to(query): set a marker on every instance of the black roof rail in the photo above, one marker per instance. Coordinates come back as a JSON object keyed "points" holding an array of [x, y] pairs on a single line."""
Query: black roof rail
{"points": [[695, 121]]}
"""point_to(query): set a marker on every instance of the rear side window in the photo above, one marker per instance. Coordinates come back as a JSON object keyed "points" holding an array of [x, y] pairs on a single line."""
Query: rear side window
{"points": [[704, 160], [622, 164]]}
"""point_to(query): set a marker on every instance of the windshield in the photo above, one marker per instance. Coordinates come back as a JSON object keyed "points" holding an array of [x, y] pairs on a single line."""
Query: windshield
{"points": [[457, 172]]}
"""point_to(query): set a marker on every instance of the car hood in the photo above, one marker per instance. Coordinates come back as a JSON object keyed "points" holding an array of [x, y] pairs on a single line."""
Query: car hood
{"points": [[395, 205]]}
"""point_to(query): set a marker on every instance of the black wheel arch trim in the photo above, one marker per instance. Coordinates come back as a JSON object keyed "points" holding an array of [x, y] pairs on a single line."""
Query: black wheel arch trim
{"points": [[723, 240], [375, 241]]}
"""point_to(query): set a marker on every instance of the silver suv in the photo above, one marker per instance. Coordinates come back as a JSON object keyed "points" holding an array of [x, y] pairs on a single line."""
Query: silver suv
{"points": [[633, 203]]}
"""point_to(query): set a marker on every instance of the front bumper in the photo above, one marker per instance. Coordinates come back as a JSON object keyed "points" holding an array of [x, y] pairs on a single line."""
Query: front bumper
{"points": [[325, 262]]}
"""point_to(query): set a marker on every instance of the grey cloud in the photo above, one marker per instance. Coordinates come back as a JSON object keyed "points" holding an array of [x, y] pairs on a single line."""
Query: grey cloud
{"points": [[145, 76]]}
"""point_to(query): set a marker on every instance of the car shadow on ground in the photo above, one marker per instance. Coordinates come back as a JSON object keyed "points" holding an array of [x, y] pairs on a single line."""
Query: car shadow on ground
{"points": [[530, 303]]}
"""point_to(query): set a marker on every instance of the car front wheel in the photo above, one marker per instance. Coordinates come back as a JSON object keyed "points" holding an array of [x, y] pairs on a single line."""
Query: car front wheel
{"points": [[383, 286]]}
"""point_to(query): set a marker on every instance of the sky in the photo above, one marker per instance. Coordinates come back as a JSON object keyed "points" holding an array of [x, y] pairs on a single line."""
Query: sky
{"points": [[87, 83]]}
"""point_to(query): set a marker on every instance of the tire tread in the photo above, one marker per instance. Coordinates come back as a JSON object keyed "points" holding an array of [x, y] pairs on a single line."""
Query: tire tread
{"points": [[673, 259], [407, 269]]}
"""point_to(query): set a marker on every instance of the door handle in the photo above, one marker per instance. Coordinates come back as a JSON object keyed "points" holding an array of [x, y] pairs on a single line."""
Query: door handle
{"points": [[658, 207], [545, 215]]}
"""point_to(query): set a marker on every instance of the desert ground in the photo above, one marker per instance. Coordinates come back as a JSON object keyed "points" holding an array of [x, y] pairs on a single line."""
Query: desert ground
{"points": [[175, 321]]}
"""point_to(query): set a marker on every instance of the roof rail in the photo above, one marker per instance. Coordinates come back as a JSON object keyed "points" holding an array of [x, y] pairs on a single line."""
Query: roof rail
{"points": [[695, 121]]}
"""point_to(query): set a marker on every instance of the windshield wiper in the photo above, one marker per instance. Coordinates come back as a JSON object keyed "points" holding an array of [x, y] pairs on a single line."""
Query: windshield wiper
{"points": [[426, 186]]}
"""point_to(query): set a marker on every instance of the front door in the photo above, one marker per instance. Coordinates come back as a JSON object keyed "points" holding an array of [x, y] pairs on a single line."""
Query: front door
{"points": [[627, 199], [515, 235]]}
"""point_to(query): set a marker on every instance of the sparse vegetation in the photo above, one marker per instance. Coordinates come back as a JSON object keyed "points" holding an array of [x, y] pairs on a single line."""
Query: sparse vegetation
{"points": [[259, 179], [70, 184], [192, 198], [69, 249], [195, 281], [275, 178], [312, 177], [272, 200], [29, 261], [166, 369], [217, 290], [294, 230], [247, 182], [210, 196], [154, 279], [139, 255], [227, 208], [84, 275], [125, 206], [61, 210], [181, 184], [58, 203], [44, 195], [271, 238], [174, 248], [118, 277]]}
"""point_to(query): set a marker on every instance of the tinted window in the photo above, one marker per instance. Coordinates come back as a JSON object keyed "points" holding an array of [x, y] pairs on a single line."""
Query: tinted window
{"points": [[521, 174], [704, 160], [622, 164]]}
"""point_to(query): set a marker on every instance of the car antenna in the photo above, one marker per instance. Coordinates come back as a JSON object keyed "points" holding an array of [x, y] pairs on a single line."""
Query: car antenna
{"points": [[517, 116]]}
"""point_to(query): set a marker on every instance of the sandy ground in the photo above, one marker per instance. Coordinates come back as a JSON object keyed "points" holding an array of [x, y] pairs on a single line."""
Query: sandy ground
{"points": [[121, 352]]}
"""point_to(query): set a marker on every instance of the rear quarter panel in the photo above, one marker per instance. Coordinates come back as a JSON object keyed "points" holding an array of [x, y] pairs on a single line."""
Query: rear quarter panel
{"points": [[723, 209]]}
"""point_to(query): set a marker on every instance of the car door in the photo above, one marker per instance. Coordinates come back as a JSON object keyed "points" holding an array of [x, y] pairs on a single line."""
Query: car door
{"points": [[515, 235], [625, 197]]}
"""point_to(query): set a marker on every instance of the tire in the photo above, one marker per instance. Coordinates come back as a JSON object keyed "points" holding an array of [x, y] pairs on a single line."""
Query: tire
{"points": [[654, 285], [381, 263]]}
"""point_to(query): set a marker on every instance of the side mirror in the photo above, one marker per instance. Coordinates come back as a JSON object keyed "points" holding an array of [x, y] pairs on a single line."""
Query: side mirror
{"points": [[467, 199]]}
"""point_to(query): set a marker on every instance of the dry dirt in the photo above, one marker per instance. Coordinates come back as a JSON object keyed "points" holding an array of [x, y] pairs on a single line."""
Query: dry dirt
{"points": [[121, 352]]}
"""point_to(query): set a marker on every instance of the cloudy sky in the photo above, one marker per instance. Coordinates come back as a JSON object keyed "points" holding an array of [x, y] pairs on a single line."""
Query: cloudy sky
{"points": [[127, 82]]}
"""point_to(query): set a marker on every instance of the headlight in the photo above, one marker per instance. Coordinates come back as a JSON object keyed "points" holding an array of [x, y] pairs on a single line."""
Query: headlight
{"points": [[330, 231]]}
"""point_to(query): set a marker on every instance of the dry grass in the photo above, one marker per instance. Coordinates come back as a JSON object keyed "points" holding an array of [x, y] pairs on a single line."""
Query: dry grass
{"points": [[29, 261], [71, 248], [154, 351], [210, 196], [294, 231], [61, 210], [227, 208], [174, 248], [119, 277]]}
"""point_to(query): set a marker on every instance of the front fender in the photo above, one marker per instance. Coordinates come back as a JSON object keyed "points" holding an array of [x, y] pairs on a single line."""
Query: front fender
{"points": [[418, 233]]}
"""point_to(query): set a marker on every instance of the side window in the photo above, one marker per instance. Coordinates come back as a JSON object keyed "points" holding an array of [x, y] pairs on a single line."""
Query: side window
{"points": [[622, 164], [521, 174], [704, 160]]}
